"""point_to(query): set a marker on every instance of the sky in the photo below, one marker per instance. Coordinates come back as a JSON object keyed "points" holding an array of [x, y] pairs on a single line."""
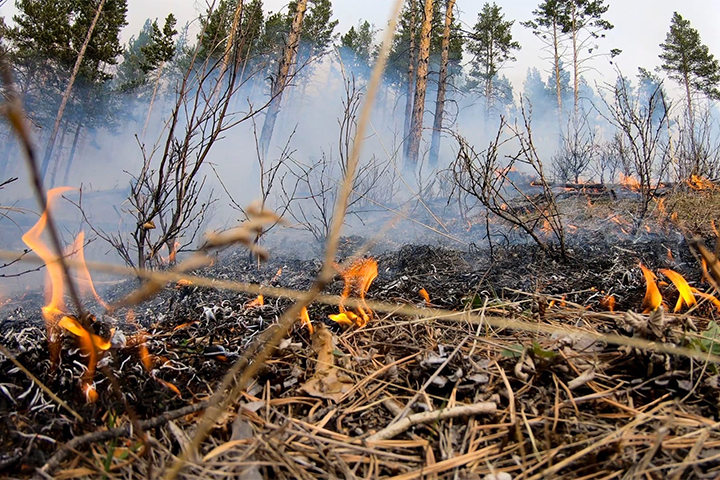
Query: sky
{"points": [[640, 26]]}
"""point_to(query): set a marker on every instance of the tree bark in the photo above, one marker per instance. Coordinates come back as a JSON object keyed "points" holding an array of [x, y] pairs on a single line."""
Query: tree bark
{"points": [[152, 100], [66, 177], [58, 156], [411, 77], [556, 55], [420, 90], [442, 86], [68, 91], [576, 74], [281, 81]]}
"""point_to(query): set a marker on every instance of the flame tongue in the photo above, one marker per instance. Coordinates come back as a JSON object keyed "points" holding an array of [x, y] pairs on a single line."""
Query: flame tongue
{"points": [[686, 295], [358, 277], [653, 298], [56, 305]]}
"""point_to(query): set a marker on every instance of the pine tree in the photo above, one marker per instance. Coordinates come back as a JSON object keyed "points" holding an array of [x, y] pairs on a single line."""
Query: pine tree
{"points": [[357, 45], [423, 64], [583, 22], [156, 53], [442, 85], [547, 25], [689, 62], [492, 45], [281, 79], [130, 73], [65, 35]]}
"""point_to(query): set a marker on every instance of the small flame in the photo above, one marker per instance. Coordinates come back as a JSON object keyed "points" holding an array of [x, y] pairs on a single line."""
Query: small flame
{"points": [[345, 318], [653, 298], [173, 253], [686, 295], [277, 275], [670, 255], [608, 302], [629, 182], [697, 182], [425, 295], [358, 277], [89, 344], [52, 311], [305, 319], [258, 302]]}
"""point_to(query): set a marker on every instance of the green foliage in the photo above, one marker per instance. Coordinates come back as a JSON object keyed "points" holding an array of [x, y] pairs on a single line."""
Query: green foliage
{"points": [[687, 61], [130, 74], [161, 47], [318, 27], [400, 55], [491, 43], [45, 41], [215, 28], [357, 44]]}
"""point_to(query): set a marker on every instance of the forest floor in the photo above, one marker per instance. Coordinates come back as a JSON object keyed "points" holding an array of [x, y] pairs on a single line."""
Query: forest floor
{"points": [[472, 366]]}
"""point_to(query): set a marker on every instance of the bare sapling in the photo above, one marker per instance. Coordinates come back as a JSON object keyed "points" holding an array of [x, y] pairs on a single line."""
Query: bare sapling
{"points": [[641, 123], [486, 176]]}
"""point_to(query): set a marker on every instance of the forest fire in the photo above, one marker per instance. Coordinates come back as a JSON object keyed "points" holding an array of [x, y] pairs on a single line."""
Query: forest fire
{"points": [[357, 277]]}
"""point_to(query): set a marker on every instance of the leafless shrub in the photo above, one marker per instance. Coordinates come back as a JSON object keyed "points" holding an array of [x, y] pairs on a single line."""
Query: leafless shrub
{"points": [[314, 186], [641, 124], [611, 160], [577, 151], [698, 147], [166, 204], [484, 176]]}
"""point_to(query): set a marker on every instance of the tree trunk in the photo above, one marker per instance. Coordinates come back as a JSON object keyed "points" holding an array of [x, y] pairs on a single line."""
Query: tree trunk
{"points": [[152, 100], [556, 58], [691, 119], [68, 91], [281, 81], [411, 77], [576, 73], [66, 177], [421, 89], [442, 86], [58, 156]]}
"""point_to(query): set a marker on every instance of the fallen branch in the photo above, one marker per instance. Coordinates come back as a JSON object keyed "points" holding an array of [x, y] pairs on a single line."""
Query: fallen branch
{"points": [[426, 417]]}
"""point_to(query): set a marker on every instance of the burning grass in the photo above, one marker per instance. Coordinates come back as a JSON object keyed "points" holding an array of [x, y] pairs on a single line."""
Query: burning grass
{"points": [[561, 404]]}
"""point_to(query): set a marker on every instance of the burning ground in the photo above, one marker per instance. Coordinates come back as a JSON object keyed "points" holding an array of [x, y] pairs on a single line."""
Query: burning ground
{"points": [[436, 362]]}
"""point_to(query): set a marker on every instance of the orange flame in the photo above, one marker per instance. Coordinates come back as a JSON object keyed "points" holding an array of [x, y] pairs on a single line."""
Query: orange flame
{"points": [[653, 298], [629, 182], [305, 319], [258, 302], [358, 277], [54, 284], [697, 182], [608, 302], [173, 253], [425, 295], [686, 295], [90, 344], [706, 296]]}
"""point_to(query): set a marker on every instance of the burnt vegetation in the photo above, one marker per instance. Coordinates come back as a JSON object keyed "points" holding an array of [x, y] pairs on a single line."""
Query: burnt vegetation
{"points": [[254, 257]]}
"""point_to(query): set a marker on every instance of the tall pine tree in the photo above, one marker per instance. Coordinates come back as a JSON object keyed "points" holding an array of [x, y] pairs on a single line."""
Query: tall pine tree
{"points": [[492, 46]]}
